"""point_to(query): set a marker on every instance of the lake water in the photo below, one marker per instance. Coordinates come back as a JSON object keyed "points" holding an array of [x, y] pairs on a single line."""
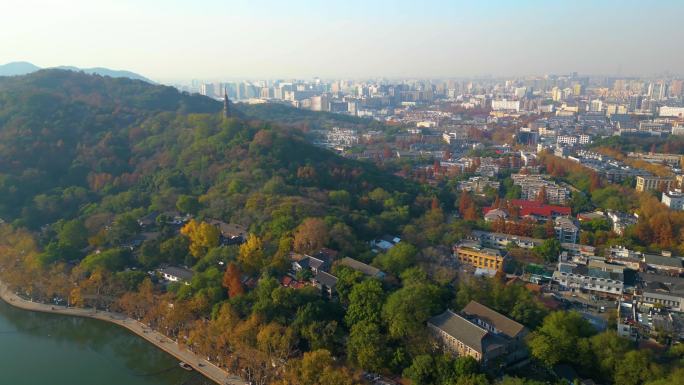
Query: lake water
{"points": [[50, 349]]}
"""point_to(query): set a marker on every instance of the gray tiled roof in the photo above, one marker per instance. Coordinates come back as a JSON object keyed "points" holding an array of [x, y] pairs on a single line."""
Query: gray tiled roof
{"points": [[659, 260], [506, 325], [467, 332], [326, 279], [360, 266]]}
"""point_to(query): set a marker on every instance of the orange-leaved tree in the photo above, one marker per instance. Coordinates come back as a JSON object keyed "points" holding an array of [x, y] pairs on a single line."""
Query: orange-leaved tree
{"points": [[231, 281]]}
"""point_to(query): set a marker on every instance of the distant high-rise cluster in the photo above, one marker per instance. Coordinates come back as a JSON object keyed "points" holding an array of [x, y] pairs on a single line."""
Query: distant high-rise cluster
{"points": [[382, 99]]}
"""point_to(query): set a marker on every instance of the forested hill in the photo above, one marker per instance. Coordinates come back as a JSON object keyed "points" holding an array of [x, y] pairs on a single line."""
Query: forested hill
{"points": [[83, 146]]}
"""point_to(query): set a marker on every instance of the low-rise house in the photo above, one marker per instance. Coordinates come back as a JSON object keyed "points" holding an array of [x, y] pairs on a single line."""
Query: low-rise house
{"points": [[627, 321], [460, 336], [148, 220], [307, 262], [384, 243], [175, 218], [495, 215], [176, 274], [325, 282], [231, 233], [359, 266]]}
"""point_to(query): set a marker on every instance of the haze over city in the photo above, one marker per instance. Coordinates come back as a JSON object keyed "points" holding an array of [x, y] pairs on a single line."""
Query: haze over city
{"points": [[172, 41]]}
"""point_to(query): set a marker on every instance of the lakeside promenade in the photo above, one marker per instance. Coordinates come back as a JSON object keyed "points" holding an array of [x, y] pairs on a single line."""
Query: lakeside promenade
{"points": [[159, 340]]}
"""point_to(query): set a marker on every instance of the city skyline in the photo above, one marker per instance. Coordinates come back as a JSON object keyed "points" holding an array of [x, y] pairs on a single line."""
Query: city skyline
{"points": [[211, 40]]}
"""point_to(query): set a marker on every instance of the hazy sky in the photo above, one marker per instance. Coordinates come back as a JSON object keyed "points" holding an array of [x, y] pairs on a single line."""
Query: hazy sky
{"points": [[170, 40]]}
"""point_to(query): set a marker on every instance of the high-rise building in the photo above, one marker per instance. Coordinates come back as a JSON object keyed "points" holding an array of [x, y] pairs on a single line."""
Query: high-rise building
{"points": [[577, 89], [676, 88], [207, 89], [596, 105]]}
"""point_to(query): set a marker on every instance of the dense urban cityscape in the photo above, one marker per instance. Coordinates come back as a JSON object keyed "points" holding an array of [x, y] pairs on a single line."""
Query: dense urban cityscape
{"points": [[342, 193]]}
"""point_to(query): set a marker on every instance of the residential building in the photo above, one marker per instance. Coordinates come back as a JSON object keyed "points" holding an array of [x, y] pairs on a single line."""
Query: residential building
{"points": [[674, 199], [627, 321], [231, 233], [306, 262], [531, 185], [480, 257], [506, 105], [662, 290], [658, 158], [671, 111], [601, 279], [501, 240], [494, 215], [457, 335], [478, 184], [566, 230], [621, 221], [325, 282], [648, 183], [673, 302], [664, 263]]}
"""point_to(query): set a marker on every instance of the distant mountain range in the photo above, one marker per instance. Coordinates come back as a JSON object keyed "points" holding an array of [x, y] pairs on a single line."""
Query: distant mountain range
{"points": [[23, 68]]}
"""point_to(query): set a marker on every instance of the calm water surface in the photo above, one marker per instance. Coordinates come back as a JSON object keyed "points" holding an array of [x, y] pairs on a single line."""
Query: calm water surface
{"points": [[38, 348]]}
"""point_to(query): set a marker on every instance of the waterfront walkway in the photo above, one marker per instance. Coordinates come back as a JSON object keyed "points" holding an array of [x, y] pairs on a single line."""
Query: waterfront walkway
{"points": [[203, 366]]}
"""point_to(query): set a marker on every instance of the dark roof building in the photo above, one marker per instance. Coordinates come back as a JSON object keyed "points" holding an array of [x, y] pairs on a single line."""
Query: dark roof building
{"points": [[361, 267], [462, 337], [493, 321], [665, 263], [325, 282], [176, 274]]}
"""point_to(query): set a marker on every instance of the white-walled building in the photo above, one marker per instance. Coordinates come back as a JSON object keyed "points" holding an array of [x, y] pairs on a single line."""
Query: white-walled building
{"points": [[674, 199]]}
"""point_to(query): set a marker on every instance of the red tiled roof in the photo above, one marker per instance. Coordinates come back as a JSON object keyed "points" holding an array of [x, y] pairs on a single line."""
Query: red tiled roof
{"points": [[286, 281], [535, 208]]}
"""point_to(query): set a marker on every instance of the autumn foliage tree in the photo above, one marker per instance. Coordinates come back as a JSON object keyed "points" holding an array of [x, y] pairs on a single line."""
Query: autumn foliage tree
{"points": [[311, 235], [467, 207], [251, 255], [541, 195], [203, 236], [232, 282]]}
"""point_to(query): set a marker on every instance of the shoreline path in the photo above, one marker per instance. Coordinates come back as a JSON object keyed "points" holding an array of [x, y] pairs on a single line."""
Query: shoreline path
{"points": [[157, 339]]}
